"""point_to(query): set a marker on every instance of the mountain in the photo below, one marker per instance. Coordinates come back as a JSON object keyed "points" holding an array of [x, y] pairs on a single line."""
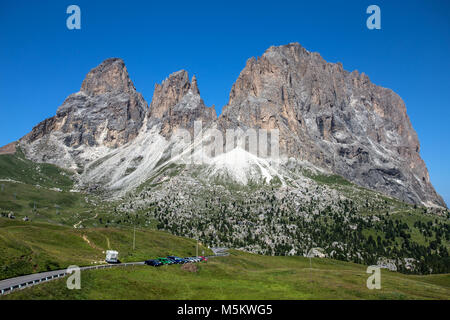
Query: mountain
{"points": [[331, 119], [106, 113], [336, 164], [334, 119], [177, 104]]}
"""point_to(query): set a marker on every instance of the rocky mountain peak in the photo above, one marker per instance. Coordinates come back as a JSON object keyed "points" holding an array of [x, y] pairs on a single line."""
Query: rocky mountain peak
{"points": [[177, 103], [293, 48], [170, 92], [334, 119], [194, 86], [106, 112], [110, 76]]}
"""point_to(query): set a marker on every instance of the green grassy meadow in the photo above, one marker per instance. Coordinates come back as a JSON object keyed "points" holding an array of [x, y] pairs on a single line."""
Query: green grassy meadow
{"points": [[244, 276], [30, 247], [17, 167]]}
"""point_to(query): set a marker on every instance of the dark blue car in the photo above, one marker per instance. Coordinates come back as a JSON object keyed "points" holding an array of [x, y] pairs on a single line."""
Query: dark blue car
{"points": [[177, 260], [153, 263]]}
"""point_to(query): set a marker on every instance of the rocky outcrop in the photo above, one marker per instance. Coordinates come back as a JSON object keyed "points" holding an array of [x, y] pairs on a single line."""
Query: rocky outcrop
{"points": [[10, 148], [335, 119], [177, 104], [107, 111]]}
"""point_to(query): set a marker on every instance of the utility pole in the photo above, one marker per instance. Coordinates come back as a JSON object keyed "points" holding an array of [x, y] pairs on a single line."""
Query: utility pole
{"points": [[310, 264], [134, 237], [197, 248]]}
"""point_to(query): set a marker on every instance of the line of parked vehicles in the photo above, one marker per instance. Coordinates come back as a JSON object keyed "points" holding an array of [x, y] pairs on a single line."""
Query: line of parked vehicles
{"points": [[174, 260]]}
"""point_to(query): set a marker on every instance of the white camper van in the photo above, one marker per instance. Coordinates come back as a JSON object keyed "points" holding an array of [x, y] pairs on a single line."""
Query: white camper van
{"points": [[112, 256]]}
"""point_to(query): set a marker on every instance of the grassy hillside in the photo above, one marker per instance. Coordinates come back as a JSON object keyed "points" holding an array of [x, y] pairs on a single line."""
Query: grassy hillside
{"points": [[17, 167], [63, 207], [41, 192], [359, 225], [29, 247], [244, 276], [43, 204]]}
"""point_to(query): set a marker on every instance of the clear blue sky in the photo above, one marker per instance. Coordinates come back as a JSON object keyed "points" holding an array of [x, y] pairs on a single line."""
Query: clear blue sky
{"points": [[42, 62]]}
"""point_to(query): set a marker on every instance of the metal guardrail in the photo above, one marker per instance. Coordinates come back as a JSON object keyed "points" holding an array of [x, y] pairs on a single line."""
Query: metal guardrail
{"points": [[23, 285], [18, 283]]}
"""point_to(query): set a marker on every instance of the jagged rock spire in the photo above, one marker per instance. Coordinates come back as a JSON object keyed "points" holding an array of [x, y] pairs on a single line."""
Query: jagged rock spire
{"points": [[107, 111], [177, 103], [169, 93], [110, 76], [194, 86]]}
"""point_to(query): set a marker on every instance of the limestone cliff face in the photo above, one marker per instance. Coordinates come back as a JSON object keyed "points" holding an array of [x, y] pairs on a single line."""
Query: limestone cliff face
{"points": [[177, 104], [332, 118], [107, 111]]}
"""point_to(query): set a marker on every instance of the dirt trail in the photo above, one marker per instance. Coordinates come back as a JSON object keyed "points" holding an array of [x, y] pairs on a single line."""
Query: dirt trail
{"points": [[92, 245], [85, 238], [107, 242], [76, 225]]}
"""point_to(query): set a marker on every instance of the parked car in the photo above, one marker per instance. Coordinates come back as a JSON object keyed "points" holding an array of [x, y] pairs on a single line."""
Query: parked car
{"points": [[172, 261], [177, 260], [153, 263], [202, 258], [164, 261], [189, 260]]}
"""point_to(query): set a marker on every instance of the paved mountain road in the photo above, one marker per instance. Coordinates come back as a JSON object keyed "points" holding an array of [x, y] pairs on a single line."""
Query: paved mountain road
{"points": [[219, 252], [12, 284]]}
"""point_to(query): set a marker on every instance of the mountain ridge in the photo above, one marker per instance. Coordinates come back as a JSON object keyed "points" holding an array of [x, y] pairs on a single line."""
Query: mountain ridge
{"points": [[334, 119]]}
